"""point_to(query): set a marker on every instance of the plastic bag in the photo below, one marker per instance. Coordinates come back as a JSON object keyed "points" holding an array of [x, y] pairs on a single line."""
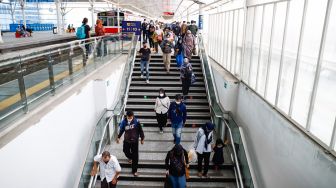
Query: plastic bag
{"points": [[179, 59], [192, 156]]}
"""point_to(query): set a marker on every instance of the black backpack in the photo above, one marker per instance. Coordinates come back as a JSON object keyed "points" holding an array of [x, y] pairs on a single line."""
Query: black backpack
{"points": [[187, 71]]}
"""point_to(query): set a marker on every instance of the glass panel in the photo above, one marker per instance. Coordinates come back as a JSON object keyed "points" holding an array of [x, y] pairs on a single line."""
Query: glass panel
{"points": [[265, 45], [110, 21], [290, 53], [323, 116], [10, 98], [36, 76], [240, 42], [220, 39], [248, 43], [278, 31], [255, 47], [310, 51]]}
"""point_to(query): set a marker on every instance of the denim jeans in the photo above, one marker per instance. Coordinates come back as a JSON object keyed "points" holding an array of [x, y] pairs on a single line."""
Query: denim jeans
{"points": [[177, 131], [143, 65], [178, 181]]}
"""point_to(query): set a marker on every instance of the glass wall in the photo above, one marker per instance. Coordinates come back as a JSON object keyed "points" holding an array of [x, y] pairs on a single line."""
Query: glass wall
{"points": [[286, 53]]}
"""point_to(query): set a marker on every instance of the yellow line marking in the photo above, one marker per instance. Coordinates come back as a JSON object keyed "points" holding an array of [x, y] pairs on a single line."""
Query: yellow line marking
{"points": [[36, 88]]}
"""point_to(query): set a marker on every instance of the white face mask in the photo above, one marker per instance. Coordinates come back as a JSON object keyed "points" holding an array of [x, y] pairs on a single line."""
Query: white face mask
{"points": [[178, 102], [161, 94]]}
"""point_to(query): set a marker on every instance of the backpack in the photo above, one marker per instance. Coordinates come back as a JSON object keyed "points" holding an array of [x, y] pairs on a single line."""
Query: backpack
{"points": [[193, 29], [167, 49], [80, 33], [187, 71], [144, 26]]}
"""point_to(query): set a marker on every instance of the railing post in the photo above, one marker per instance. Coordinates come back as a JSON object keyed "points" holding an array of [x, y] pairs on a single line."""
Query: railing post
{"points": [[70, 65], [22, 86], [108, 131], [51, 74]]}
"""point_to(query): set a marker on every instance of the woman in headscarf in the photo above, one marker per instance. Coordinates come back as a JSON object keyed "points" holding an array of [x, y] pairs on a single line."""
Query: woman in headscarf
{"points": [[202, 145], [176, 163], [157, 37], [100, 31], [162, 104], [188, 44]]}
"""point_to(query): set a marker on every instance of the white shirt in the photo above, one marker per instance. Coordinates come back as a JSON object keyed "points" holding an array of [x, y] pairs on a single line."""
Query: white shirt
{"points": [[162, 105], [107, 170], [200, 140]]}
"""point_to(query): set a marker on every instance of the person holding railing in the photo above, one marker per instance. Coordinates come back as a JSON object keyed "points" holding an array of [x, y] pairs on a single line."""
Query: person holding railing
{"points": [[133, 130], [109, 169], [203, 147]]}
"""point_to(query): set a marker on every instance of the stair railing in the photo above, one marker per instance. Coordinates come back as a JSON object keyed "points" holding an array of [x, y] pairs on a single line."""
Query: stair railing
{"points": [[226, 127], [107, 127]]}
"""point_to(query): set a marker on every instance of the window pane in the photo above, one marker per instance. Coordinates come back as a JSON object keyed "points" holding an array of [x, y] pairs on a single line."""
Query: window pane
{"points": [[290, 53], [255, 48], [225, 39], [265, 44], [234, 41], [310, 51], [222, 26], [248, 43], [278, 31], [325, 103], [229, 40], [240, 42]]}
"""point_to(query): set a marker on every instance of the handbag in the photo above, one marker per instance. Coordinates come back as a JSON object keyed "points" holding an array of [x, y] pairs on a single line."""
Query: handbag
{"points": [[194, 51], [179, 59]]}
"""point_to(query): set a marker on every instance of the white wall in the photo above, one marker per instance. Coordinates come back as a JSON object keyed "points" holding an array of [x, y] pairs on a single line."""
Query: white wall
{"points": [[51, 153], [282, 156]]}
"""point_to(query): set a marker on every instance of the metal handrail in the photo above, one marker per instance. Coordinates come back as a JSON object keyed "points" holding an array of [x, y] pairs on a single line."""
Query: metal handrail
{"points": [[120, 112], [67, 45], [202, 52]]}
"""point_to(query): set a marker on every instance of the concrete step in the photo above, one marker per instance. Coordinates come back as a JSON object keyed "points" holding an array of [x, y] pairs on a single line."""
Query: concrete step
{"points": [[189, 123], [189, 102], [159, 175], [155, 88], [163, 73], [155, 184], [153, 95], [190, 107], [164, 84], [190, 115], [158, 63]]}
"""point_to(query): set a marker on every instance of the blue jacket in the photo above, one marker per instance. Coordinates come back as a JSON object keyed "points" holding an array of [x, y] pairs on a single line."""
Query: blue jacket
{"points": [[177, 113], [132, 131]]}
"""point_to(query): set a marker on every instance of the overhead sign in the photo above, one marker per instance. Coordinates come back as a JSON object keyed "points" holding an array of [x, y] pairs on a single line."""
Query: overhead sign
{"points": [[131, 27]]}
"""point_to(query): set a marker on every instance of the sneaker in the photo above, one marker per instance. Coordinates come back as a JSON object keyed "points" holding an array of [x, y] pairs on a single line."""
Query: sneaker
{"points": [[130, 161], [161, 131], [142, 76], [199, 174], [135, 174], [147, 81], [206, 176]]}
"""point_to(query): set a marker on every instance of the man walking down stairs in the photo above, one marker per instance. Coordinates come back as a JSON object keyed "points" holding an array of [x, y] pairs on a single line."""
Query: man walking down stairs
{"points": [[141, 100]]}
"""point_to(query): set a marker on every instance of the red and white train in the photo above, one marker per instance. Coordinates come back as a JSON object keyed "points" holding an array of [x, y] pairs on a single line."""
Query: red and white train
{"points": [[110, 20]]}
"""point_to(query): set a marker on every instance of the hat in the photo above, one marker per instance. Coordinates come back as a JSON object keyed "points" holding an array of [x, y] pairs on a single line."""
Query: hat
{"points": [[210, 126], [185, 60]]}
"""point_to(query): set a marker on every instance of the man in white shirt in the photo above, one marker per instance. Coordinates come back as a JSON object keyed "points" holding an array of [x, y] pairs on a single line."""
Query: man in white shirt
{"points": [[109, 169]]}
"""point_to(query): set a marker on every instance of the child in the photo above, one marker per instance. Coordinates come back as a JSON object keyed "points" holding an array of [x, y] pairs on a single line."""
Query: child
{"points": [[218, 158]]}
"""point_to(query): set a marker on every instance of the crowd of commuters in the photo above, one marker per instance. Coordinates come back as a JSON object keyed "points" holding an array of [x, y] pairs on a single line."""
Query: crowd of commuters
{"points": [[180, 40]]}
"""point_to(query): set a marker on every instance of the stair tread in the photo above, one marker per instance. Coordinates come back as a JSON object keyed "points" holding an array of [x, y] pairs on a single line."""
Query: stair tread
{"points": [[136, 106], [167, 92], [155, 184]]}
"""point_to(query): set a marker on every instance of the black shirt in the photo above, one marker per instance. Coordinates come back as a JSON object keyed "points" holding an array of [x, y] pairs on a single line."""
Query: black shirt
{"points": [[87, 31], [145, 54]]}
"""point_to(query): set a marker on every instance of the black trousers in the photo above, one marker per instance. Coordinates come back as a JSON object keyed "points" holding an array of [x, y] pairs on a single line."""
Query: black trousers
{"points": [[206, 157], [185, 86], [104, 184], [162, 120], [131, 150], [151, 41], [144, 36]]}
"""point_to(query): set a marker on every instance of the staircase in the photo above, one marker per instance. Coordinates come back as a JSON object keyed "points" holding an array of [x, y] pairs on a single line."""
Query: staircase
{"points": [[141, 99]]}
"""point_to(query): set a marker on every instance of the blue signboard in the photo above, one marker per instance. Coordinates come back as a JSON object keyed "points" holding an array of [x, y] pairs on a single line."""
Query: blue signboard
{"points": [[131, 27], [200, 22]]}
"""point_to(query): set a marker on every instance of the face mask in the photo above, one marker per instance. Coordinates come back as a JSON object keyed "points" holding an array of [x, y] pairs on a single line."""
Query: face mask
{"points": [[178, 102], [129, 121], [161, 94]]}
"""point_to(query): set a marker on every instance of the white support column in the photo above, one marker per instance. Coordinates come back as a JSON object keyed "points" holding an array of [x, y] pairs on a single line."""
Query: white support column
{"points": [[58, 16], [118, 16], [1, 41], [23, 5], [92, 2], [187, 14]]}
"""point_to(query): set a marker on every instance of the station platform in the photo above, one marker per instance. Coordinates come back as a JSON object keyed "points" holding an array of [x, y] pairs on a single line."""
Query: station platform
{"points": [[38, 39]]}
